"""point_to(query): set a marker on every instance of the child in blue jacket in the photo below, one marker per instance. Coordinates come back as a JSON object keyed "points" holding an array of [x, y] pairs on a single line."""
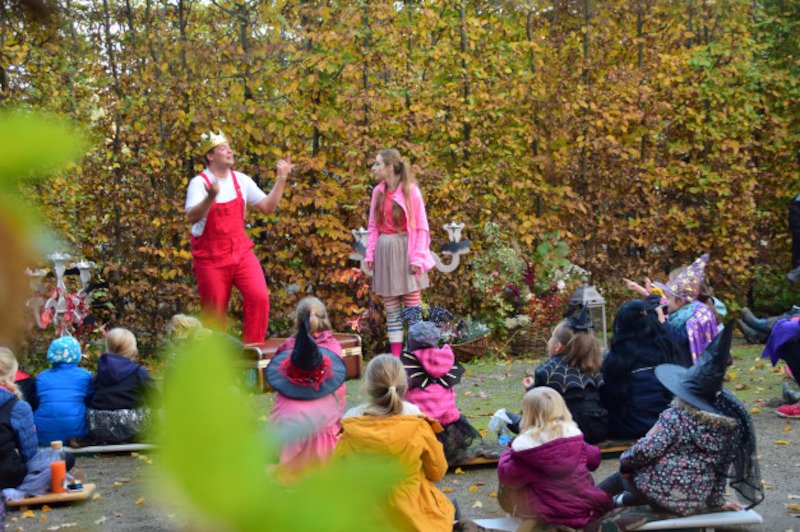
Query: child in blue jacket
{"points": [[63, 392], [17, 430]]}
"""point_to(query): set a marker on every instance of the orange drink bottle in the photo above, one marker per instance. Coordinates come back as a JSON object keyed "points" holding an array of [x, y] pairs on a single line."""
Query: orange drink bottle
{"points": [[58, 468]]}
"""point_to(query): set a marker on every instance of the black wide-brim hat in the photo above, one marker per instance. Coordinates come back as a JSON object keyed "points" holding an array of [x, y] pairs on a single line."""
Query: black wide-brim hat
{"points": [[700, 384], [306, 358]]}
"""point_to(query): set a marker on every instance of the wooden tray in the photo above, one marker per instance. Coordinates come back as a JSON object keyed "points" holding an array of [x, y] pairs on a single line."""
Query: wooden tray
{"points": [[54, 498]]}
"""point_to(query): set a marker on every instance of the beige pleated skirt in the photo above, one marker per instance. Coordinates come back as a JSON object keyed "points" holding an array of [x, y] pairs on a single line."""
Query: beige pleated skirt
{"points": [[391, 275]]}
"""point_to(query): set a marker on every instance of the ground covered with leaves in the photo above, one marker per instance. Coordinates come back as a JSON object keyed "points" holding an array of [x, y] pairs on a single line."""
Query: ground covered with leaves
{"points": [[125, 497]]}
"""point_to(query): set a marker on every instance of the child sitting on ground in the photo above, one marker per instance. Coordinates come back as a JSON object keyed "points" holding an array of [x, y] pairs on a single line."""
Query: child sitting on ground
{"points": [[390, 426], [545, 474], [17, 429], [63, 391], [116, 413], [432, 373], [308, 377], [631, 393], [573, 370], [682, 465]]}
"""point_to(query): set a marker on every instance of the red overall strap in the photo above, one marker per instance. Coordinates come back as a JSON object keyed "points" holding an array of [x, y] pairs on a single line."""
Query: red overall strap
{"points": [[236, 186], [208, 181]]}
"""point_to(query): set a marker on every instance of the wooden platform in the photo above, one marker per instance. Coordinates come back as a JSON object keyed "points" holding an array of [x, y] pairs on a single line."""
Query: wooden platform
{"points": [[54, 498], [477, 462], [613, 448]]}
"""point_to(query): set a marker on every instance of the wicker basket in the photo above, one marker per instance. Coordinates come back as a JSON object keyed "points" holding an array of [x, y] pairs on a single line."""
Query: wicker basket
{"points": [[473, 349], [528, 340]]}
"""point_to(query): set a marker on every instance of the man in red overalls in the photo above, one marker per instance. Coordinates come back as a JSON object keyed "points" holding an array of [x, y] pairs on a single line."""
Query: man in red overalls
{"points": [[222, 253]]}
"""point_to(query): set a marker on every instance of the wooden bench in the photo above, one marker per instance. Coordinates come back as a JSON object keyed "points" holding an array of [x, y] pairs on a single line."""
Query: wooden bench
{"points": [[708, 521], [110, 449], [614, 448], [258, 356]]}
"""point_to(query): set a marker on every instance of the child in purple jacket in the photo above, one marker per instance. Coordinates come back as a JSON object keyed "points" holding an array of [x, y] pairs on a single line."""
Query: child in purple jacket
{"points": [[545, 474]]}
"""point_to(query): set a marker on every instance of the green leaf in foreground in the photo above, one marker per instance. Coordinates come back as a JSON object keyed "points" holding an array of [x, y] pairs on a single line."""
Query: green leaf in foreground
{"points": [[218, 458], [34, 144]]}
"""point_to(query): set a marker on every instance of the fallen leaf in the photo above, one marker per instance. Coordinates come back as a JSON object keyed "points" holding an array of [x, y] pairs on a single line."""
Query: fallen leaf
{"points": [[473, 489], [794, 497], [447, 489], [96, 496], [755, 410], [781, 442], [787, 428], [741, 386], [459, 471], [46, 508], [28, 514], [732, 374], [468, 393], [117, 484], [478, 504], [483, 395], [493, 494], [101, 520], [483, 433], [480, 483], [170, 516], [140, 500], [765, 485], [43, 518], [793, 507]]}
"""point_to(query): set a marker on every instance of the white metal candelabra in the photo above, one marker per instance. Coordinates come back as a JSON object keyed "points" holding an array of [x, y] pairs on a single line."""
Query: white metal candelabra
{"points": [[62, 308], [454, 249]]}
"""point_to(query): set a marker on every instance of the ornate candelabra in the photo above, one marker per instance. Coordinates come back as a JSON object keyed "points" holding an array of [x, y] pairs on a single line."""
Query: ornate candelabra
{"points": [[454, 248], [63, 309]]}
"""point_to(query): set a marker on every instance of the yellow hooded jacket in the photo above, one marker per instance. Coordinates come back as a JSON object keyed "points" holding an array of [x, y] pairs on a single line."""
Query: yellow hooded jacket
{"points": [[416, 503]]}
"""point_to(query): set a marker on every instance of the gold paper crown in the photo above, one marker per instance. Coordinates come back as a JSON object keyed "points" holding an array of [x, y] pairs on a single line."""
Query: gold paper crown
{"points": [[210, 140]]}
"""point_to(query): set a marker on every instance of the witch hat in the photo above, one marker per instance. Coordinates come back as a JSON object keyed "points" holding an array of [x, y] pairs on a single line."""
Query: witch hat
{"points": [[700, 384], [308, 371]]}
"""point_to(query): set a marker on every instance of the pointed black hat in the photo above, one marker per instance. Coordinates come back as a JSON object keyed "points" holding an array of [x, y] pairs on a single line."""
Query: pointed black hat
{"points": [[700, 384], [308, 371]]}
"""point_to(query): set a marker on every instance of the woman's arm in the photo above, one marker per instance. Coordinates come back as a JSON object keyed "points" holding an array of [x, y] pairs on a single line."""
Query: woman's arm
{"points": [[372, 231]]}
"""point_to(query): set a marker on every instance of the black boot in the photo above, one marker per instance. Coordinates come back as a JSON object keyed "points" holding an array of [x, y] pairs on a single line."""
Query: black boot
{"points": [[751, 335], [791, 394]]}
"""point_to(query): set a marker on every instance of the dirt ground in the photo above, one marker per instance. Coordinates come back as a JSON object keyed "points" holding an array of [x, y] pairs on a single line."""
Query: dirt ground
{"points": [[125, 500]]}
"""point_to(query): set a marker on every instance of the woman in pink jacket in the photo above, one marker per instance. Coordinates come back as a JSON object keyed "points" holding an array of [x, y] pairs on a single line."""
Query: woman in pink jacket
{"points": [[398, 249]]}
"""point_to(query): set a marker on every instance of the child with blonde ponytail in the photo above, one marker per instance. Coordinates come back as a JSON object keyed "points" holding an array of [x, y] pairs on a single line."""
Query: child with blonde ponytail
{"points": [[17, 428], [545, 474], [390, 426]]}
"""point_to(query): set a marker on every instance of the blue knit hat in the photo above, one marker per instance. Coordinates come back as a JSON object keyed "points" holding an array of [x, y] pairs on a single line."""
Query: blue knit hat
{"points": [[422, 335], [64, 350]]}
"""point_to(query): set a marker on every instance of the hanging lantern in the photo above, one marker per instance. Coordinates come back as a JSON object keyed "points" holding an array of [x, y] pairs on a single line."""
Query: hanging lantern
{"points": [[588, 296]]}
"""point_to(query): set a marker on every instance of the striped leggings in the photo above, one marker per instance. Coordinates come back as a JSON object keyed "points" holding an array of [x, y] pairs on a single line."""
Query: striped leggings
{"points": [[394, 322]]}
